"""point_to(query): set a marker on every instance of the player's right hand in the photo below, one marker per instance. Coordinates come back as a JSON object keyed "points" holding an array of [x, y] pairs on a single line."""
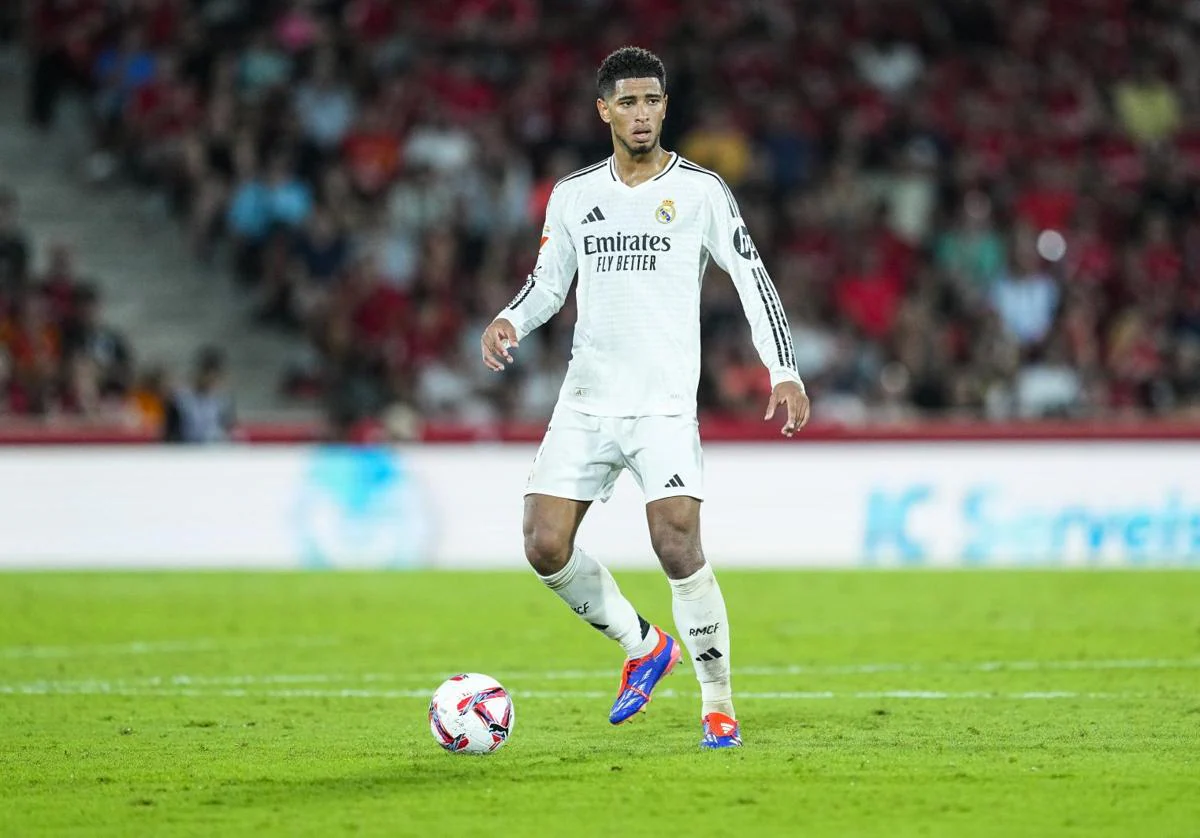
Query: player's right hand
{"points": [[497, 339]]}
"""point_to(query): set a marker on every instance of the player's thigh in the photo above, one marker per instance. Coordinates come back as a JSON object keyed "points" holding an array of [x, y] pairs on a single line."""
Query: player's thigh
{"points": [[663, 454], [579, 459]]}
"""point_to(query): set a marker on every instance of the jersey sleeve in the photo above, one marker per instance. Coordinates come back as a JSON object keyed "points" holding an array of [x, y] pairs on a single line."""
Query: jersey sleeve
{"points": [[546, 287], [728, 242]]}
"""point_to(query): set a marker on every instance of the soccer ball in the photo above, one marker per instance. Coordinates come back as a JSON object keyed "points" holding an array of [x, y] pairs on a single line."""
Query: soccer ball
{"points": [[471, 714]]}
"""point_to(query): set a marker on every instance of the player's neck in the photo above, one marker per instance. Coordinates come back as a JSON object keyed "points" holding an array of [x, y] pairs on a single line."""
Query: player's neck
{"points": [[633, 170]]}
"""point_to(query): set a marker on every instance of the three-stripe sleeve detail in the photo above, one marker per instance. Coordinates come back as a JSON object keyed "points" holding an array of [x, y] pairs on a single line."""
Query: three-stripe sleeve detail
{"points": [[523, 293], [776, 317]]}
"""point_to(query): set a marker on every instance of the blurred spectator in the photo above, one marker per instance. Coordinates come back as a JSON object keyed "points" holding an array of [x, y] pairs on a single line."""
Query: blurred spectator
{"points": [[718, 143], [32, 346], [62, 36], [324, 104], [1185, 377], [121, 70], [372, 153], [57, 356], [14, 247], [439, 144], [201, 412], [1048, 199], [87, 338], [320, 255], [147, 404], [971, 251], [888, 63], [1135, 356], [870, 296], [1147, 105], [791, 152], [1026, 298], [264, 204], [1049, 386], [815, 344], [262, 68], [59, 284]]}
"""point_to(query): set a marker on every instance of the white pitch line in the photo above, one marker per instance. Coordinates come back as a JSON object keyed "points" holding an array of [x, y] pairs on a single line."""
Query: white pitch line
{"points": [[157, 681], [977, 666], [155, 647], [101, 688], [149, 647], [847, 669]]}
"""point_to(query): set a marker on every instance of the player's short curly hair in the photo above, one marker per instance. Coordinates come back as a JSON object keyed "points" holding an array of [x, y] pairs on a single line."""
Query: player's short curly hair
{"points": [[629, 63]]}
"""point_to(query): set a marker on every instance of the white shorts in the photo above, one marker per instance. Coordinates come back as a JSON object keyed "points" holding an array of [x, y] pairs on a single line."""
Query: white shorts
{"points": [[581, 456]]}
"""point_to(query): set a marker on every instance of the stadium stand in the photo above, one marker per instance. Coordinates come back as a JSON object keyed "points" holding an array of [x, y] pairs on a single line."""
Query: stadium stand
{"points": [[981, 209]]}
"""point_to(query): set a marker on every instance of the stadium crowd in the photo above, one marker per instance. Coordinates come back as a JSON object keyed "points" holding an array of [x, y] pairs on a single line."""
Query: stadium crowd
{"points": [[60, 358], [971, 208], [57, 355]]}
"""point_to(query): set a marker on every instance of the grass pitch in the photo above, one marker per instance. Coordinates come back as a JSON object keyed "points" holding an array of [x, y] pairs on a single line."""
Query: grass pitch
{"points": [[905, 703]]}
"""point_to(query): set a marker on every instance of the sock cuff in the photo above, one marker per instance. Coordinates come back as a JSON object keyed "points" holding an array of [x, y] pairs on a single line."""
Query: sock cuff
{"points": [[564, 576], [696, 585]]}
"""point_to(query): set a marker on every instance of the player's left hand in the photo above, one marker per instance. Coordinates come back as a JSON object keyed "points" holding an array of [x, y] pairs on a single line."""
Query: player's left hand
{"points": [[791, 394]]}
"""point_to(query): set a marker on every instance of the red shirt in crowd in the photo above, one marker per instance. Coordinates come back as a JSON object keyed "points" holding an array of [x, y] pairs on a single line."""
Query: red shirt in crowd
{"points": [[1187, 144], [1046, 208], [372, 158], [1161, 264], [161, 21], [1090, 259], [871, 301], [381, 312], [164, 109], [434, 332], [372, 21], [1121, 160]]}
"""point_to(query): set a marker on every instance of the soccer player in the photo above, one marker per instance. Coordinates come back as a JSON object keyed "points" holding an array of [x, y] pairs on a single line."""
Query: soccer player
{"points": [[639, 229]]}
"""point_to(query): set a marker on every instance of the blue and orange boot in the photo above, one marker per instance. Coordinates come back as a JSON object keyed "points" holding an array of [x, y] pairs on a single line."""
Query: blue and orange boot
{"points": [[641, 675], [720, 731]]}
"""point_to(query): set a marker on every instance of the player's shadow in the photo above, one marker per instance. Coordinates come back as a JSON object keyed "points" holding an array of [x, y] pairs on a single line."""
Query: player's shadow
{"points": [[414, 777]]}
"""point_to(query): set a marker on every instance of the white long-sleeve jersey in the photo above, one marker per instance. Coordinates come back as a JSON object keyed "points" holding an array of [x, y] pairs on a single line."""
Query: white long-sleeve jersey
{"points": [[640, 253]]}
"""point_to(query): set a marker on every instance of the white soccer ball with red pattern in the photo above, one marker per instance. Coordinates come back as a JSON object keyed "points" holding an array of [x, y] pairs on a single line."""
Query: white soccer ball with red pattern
{"points": [[471, 714]]}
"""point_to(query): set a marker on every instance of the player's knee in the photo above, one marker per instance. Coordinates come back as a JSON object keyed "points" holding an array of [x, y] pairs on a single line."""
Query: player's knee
{"points": [[677, 545], [547, 548]]}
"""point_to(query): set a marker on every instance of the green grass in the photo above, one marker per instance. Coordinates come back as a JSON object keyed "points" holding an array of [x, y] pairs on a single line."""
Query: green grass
{"points": [[1063, 704]]}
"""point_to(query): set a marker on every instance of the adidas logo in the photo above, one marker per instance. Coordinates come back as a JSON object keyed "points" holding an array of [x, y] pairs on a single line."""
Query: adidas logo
{"points": [[710, 655], [673, 483], [594, 215]]}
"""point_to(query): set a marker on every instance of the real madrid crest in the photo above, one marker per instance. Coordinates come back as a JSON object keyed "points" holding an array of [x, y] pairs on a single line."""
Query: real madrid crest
{"points": [[665, 212]]}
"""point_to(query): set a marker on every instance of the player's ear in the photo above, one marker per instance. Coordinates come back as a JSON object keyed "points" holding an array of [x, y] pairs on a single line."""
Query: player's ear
{"points": [[602, 109]]}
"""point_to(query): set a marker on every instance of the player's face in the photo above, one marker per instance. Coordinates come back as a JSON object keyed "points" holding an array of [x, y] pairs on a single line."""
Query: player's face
{"points": [[635, 113]]}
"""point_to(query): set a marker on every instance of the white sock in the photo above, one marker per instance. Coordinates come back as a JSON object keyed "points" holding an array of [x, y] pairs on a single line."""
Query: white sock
{"points": [[590, 590], [704, 628]]}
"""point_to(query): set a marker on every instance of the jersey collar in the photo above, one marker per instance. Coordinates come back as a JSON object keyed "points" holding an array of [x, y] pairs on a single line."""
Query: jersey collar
{"points": [[612, 171]]}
